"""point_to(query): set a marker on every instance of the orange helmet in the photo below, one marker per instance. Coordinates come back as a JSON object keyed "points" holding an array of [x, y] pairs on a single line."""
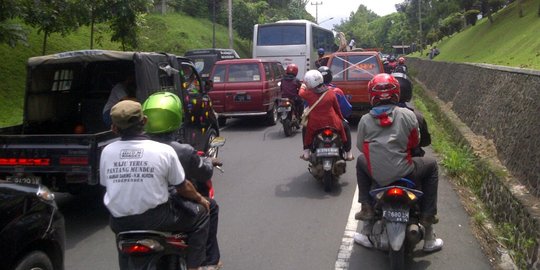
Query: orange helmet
{"points": [[292, 69], [383, 89], [401, 60]]}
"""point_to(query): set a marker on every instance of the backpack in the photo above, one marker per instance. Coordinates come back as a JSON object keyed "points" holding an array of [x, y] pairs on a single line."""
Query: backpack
{"points": [[344, 105]]}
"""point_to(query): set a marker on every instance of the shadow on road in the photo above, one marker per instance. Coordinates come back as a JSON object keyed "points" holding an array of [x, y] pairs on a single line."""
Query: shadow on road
{"points": [[305, 185]]}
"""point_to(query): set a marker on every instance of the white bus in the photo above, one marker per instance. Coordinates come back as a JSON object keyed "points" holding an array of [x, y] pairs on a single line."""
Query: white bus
{"points": [[292, 41]]}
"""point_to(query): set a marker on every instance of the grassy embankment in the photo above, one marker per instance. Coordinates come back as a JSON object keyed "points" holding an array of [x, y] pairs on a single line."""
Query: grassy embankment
{"points": [[172, 33], [509, 41]]}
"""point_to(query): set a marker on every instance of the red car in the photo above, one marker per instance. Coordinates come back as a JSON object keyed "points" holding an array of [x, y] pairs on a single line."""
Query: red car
{"points": [[351, 72], [246, 88]]}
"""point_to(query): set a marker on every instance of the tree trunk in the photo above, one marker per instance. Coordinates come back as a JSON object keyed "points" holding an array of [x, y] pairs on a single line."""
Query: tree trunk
{"points": [[520, 8], [44, 46], [92, 32]]}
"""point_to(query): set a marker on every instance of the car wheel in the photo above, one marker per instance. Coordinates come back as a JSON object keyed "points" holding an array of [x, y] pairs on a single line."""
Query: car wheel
{"points": [[272, 116], [36, 260]]}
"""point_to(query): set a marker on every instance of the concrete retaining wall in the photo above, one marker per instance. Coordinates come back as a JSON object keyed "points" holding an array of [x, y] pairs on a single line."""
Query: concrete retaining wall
{"points": [[502, 104]]}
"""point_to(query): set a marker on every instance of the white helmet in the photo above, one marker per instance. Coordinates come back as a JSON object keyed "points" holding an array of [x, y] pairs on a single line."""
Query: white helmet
{"points": [[314, 81]]}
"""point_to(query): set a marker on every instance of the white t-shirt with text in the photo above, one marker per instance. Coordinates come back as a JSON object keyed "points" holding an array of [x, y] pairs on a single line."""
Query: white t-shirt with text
{"points": [[136, 174]]}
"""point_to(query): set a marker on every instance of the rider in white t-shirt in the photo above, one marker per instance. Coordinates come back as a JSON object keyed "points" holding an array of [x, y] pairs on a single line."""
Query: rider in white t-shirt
{"points": [[136, 172]]}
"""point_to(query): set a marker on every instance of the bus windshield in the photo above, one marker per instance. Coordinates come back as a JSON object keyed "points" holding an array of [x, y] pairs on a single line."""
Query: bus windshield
{"points": [[282, 34]]}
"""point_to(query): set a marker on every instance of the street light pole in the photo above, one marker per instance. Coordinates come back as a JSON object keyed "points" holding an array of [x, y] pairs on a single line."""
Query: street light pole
{"points": [[214, 24], [316, 10], [323, 21]]}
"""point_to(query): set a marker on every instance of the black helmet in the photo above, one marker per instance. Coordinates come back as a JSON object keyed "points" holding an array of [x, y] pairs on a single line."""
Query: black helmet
{"points": [[326, 73]]}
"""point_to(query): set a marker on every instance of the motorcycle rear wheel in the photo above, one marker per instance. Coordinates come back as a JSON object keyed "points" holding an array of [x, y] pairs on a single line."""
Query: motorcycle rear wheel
{"points": [[328, 179], [287, 127], [397, 258]]}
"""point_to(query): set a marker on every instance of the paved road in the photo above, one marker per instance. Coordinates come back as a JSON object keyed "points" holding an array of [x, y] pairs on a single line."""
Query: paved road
{"points": [[274, 215]]}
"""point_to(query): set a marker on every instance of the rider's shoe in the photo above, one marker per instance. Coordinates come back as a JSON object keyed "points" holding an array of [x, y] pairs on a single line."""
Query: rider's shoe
{"points": [[431, 242], [349, 156], [367, 212], [306, 154], [362, 240]]}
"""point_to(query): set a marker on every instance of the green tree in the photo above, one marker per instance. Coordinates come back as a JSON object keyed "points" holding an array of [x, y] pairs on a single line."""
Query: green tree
{"points": [[50, 16], [92, 13], [11, 33], [126, 18]]}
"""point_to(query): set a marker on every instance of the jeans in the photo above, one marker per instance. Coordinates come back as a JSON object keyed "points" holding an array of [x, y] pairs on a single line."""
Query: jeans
{"points": [[425, 176], [212, 247]]}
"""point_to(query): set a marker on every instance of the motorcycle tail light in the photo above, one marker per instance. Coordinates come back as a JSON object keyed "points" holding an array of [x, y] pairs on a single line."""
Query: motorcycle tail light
{"points": [[328, 132], [395, 192], [177, 242], [144, 246]]}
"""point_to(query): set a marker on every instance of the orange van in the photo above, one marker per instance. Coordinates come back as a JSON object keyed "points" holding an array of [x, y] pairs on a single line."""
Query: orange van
{"points": [[246, 88], [351, 72]]}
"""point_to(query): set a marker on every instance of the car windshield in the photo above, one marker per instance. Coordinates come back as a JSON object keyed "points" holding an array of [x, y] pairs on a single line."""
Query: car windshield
{"points": [[354, 67]]}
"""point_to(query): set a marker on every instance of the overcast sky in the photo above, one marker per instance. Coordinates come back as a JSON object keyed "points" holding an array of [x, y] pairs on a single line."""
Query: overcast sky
{"points": [[341, 9]]}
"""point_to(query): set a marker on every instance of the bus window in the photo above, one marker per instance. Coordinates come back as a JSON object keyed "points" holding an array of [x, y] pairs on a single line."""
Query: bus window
{"points": [[281, 35]]}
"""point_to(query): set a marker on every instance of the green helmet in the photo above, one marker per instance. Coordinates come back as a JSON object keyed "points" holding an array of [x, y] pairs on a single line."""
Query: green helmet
{"points": [[164, 112]]}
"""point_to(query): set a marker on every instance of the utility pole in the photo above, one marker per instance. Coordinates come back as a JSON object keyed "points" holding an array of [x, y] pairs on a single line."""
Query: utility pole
{"points": [[214, 24], [316, 10], [420, 22]]}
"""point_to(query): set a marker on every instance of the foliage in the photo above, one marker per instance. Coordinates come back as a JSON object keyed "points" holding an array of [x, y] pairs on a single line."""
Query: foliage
{"points": [[10, 32], [126, 18]]}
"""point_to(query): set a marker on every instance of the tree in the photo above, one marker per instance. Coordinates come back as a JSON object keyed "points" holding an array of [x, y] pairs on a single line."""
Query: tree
{"points": [[91, 13], [126, 17], [50, 16], [11, 33]]}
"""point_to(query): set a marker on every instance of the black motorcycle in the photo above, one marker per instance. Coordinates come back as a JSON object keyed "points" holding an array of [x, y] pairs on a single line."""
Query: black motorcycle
{"points": [[326, 161], [397, 228], [288, 115], [152, 250]]}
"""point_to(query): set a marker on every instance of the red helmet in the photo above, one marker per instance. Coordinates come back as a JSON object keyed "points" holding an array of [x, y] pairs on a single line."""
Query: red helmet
{"points": [[292, 69], [401, 60], [383, 89]]}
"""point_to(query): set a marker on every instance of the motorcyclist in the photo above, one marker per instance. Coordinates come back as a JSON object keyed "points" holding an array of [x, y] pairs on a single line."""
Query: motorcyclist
{"points": [[344, 106], [321, 61], [140, 201], [391, 65], [386, 136], [400, 67], [325, 113], [163, 110], [290, 85]]}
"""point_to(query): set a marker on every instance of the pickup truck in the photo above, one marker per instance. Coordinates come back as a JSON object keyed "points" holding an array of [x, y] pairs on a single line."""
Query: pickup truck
{"points": [[60, 140]]}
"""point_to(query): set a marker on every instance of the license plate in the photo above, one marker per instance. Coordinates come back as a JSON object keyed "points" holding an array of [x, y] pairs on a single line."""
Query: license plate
{"points": [[284, 109], [396, 215], [327, 152], [28, 179], [242, 98]]}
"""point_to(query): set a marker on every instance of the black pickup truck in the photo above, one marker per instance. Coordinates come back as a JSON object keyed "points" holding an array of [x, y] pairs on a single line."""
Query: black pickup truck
{"points": [[60, 140]]}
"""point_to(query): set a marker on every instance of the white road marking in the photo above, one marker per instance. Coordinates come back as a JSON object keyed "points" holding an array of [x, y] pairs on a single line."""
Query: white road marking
{"points": [[347, 242]]}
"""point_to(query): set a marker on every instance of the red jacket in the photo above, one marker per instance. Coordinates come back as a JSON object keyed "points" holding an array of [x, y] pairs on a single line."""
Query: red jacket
{"points": [[326, 113]]}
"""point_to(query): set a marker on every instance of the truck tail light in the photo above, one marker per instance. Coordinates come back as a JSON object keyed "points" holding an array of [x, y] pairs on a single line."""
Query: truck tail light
{"points": [[25, 161]]}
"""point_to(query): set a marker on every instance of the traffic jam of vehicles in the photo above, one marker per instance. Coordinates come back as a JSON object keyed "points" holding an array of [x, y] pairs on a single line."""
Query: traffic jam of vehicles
{"points": [[124, 121]]}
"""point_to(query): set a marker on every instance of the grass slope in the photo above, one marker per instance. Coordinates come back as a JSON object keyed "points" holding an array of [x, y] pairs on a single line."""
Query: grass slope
{"points": [[173, 33], [508, 41]]}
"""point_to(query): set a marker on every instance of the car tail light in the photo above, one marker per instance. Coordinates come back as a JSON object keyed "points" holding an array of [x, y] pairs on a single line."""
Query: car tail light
{"points": [[73, 160], [25, 161]]}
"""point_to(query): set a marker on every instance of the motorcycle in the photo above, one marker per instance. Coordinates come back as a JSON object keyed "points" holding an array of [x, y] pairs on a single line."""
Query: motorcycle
{"points": [[288, 116], [397, 228], [156, 250], [326, 161]]}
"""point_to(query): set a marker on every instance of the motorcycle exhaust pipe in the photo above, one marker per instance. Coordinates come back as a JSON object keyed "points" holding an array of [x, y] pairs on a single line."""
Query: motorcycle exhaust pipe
{"points": [[414, 233]]}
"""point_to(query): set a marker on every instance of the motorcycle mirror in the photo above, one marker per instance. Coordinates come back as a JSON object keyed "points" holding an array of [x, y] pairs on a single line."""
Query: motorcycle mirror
{"points": [[217, 142]]}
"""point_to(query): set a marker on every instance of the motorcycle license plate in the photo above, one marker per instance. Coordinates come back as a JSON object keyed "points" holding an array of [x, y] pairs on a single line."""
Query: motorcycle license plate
{"points": [[25, 179], [284, 109], [396, 215], [327, 152]]}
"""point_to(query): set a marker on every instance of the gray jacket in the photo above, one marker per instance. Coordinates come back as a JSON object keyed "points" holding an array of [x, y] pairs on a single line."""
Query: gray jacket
{"points": [[386, 136]]}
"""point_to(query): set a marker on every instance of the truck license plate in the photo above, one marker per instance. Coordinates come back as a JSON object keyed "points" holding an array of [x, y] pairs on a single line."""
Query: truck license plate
{"points": [[396, 215], [25, 179]]}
